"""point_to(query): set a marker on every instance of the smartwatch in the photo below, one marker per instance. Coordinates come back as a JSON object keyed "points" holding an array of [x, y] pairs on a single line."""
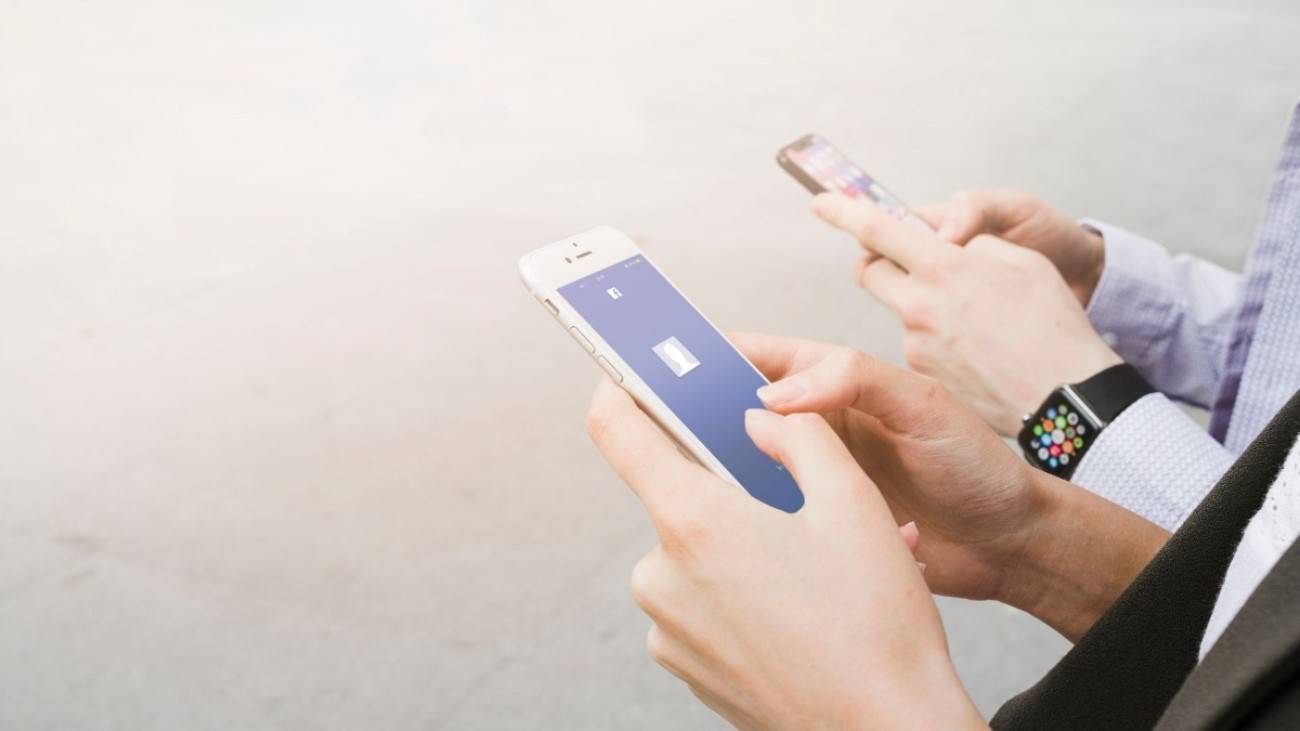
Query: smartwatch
{"points": [[1056, 437]]}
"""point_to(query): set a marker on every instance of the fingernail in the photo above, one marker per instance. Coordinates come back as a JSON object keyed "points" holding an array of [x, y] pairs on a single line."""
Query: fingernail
{"points": [[757, 417], [910, 529], [821, 204], [781, 392], [911, 536]]}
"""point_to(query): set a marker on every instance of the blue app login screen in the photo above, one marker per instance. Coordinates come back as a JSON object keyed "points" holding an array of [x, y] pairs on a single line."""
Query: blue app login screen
{"points": [[688, 364]]}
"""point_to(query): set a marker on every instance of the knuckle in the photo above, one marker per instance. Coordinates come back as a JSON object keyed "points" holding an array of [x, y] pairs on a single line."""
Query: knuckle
{"points": [[656, 644], [983, 242], [688, 528], [642, 584], [968, 204], [1032, 260], [869, 226], [653, 578], [917, 316], [1019, 198], [914, 353], [930, 391], [845, 363], [862, 272], [1021, 258], [942, 264], [597, 423], [929, 269], [857, 365], [844, 369]]}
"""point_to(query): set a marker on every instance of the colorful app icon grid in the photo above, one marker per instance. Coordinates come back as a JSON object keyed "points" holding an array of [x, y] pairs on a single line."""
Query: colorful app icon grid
{"points": [[1058, 437]]}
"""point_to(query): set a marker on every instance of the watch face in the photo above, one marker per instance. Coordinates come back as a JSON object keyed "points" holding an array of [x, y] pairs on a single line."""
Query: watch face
{"points": [[1057, 437]]}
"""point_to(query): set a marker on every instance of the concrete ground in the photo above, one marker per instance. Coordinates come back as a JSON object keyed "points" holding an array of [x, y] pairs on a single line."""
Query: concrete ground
{"points": [[285, 444]]}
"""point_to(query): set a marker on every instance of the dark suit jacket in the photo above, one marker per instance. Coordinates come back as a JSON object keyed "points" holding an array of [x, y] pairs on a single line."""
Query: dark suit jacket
{"points": [[1136, 668]]}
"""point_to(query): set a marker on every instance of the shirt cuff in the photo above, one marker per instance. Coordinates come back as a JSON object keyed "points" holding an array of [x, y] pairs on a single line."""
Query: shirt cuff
{"points": [[1134, 300], [1153, 460]]}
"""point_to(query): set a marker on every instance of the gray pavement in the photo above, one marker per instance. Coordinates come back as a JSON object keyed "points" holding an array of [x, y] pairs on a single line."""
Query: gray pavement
{"points": [[285, 445]]}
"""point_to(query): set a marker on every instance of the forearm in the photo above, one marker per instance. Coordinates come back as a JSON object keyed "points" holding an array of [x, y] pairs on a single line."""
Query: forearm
{"points": [[1080, 553]]}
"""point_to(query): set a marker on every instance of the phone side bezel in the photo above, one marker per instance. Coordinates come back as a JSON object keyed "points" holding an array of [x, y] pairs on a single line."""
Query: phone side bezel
{"points": [[796, 172]]}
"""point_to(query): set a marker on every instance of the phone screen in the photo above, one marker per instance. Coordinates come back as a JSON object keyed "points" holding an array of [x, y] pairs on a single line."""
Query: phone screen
{"points": [[826, 170], [688, 365]]}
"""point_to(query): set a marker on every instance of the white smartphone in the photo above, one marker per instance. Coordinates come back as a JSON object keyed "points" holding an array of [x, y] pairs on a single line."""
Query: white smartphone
{"points": [[651, 340]]}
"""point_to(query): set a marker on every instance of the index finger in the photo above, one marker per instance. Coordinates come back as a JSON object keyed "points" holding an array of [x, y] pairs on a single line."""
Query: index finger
{"points": [[876, 230], [776, 356], [850, 379]]}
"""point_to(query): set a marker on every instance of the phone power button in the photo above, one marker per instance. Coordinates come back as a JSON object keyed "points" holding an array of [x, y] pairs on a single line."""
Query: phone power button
{"points": [[609, 368]]}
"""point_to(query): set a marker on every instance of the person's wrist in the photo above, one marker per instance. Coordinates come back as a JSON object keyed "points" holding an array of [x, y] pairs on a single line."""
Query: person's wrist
{"points": [[921, 691], [1019, 584], [1032, 581], [1079, 554], [1091, 356], [1093, 248]]}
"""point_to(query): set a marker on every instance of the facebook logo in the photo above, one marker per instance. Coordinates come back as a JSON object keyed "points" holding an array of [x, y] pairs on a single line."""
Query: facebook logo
{"points": [[613, 293]]}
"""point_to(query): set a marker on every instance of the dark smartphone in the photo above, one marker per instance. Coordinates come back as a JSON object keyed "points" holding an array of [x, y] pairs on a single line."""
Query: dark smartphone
{"points": [[821, 168]]}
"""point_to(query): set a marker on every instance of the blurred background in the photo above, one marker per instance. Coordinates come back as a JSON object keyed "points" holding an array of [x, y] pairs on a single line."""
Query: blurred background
{"points": [[285, 444]]}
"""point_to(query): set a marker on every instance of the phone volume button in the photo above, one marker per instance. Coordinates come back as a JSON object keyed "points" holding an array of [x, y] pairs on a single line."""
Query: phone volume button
{"points": [[609, 368], [582, 340], [551, 308]]}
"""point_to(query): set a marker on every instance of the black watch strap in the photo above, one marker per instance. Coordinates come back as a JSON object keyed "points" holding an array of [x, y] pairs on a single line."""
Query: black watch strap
{"points": [[1113, 390]]}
